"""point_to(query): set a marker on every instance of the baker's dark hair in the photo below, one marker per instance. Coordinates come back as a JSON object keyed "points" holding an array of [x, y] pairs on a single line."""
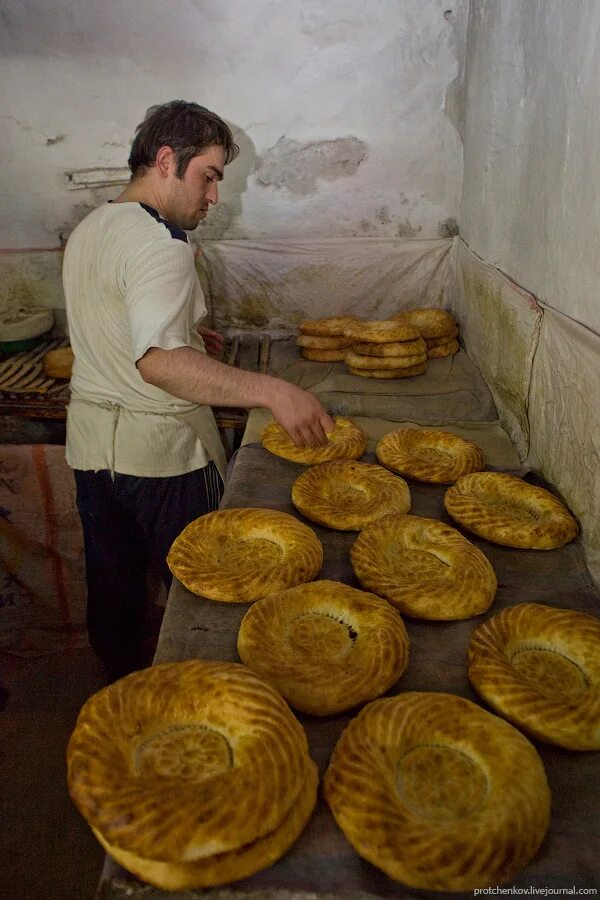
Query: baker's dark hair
{"points": [[188, 128]]}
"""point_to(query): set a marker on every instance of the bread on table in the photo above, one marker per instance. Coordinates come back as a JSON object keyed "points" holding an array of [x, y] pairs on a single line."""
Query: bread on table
{"points": [[346, 441], [405, 372], [431, 322], [349, 495], [506, 510], [438, 793], [429, 454], [381, 331], [59, 363], [192, 773], [360, 361], [331, 326], [441, 350], [325, 646], [539, 666], [427, 569], [240, 555]]}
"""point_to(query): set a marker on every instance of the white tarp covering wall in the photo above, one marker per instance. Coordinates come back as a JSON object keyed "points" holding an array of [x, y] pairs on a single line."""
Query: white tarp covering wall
{"points": [[499, 325], [274, 285], [530, 208]]}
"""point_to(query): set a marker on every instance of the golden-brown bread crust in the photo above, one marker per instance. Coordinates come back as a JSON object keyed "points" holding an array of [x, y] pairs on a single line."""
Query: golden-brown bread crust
{"points": [[444, 339], [346, 441], [232, 865], [331, 326], [358, 361], [427, 569], [185, 760], [389, 373], [431, 322], [58, 363], [540, 667], [383, 331], [438, 793], [312, 342], [506, 510], [323, 355], [429, 455], [442, 350], [349, 495], [241, 555], [417, 347], [325, 646]]}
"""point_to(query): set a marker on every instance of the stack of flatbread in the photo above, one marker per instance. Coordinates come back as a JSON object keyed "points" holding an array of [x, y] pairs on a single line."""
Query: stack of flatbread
{"points": [[192, 774], [437, 327], [388, 348], [323, 340]]}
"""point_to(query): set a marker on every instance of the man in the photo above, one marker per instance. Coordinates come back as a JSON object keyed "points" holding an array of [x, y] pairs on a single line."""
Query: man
{"points": [[141, 436]]}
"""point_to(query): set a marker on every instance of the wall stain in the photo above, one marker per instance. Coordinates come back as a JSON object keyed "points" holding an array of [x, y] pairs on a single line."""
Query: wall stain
{"points": [[406, 230], [297, 167], [448, 228]]}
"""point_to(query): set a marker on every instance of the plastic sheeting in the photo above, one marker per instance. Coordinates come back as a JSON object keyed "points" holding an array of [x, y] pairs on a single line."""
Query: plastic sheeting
{"points": [[565, 425], [272, 286], [499, 326]]}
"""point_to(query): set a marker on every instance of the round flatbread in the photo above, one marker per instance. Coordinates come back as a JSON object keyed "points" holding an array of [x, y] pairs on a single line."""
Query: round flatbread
{"points": [[358, 361], [417, 347], [186, 760], [223, 868], [311, 342], [506, 510], [346, 441], [325, 646], [241, 555], [389, 373], [429, 455], [381, 332], [442, 350], [539, 666], [438, 793], [332, 326], [430, 321], [427, 569], [349, 495]]}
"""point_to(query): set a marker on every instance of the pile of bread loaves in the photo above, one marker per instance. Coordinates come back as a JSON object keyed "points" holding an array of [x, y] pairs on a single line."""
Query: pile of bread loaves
{"points": [[197, 773], [398, 347]]}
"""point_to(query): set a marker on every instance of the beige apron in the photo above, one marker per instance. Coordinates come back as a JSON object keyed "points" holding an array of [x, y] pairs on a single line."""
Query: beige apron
{"points": [[201, 421]]}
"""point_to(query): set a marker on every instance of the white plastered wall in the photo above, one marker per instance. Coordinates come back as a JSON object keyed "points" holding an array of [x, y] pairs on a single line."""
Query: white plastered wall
{"points": [[530, 208], [347, 112]]}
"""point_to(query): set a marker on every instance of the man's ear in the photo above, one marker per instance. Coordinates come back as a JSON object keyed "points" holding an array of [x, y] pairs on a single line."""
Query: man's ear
{"points": [[165, 161]]}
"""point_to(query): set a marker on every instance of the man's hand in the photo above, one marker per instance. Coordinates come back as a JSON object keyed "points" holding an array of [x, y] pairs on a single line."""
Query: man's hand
{"points": [[213, 341], [301, 415]]}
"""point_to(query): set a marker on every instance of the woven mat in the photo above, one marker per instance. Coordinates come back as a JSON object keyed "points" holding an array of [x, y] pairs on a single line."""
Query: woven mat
{"points": [[322, 862]]}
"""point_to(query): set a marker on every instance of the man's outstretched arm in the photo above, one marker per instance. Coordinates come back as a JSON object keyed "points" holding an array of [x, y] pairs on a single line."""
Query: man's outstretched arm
{"points": [[190, 375]]}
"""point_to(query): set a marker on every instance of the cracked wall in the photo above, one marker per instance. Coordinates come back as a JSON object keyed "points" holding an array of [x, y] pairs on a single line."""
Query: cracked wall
{"points": [[347, 117]]}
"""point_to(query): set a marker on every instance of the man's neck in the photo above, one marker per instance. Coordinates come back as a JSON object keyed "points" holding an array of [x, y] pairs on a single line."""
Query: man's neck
{"points": [[141, 190]]}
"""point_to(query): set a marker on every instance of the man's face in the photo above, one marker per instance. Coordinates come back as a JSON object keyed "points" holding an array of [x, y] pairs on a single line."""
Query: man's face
{"points": [[188, 198]]}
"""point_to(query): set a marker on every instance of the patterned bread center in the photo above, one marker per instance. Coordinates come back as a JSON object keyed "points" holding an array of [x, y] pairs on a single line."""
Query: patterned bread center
{"points": [[512, 509], [400, 560], [552, 673], [185, 752], [348, 496], [235, 556], [319, 634], [439, 783]]}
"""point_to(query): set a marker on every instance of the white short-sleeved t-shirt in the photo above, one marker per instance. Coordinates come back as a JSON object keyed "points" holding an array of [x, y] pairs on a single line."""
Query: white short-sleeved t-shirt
{"points": [[130, 283]]}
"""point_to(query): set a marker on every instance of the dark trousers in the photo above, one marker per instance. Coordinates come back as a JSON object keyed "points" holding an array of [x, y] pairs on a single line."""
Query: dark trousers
{"points": [[128, 522]]}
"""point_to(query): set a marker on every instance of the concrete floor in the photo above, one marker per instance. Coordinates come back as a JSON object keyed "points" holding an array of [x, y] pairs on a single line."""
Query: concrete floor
{"points": [[47, 851]]}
